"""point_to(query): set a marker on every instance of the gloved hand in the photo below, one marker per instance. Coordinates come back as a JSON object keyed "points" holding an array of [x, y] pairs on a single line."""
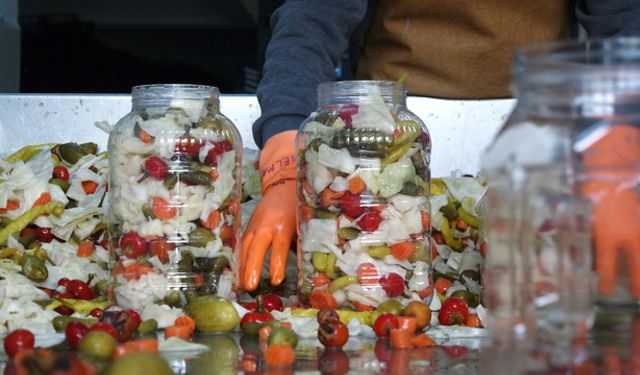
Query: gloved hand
{"points": [[273, 222]]}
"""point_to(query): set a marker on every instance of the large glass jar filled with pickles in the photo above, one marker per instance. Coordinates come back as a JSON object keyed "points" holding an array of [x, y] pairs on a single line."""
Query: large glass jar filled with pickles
{"points": [[174, 194], [363, 207]]}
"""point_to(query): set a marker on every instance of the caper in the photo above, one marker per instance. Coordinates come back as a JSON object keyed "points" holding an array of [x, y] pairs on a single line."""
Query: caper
{"points": [[218, 264], [196, 178], [148, 326], [469, 297], [63, 184], [203, 264], [71, 152], [170, 181], [348, 233], [34, 268], [185, 264], [200, 237], [409, 188]]}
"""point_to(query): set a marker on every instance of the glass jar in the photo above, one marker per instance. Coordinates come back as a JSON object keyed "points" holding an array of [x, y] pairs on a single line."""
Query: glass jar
{"points": [[363, 198], [174, 195], [563, 189]]}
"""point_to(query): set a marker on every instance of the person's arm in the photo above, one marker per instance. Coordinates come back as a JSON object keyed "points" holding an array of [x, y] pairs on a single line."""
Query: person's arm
{"points": [[605, 18], [307, 42]]}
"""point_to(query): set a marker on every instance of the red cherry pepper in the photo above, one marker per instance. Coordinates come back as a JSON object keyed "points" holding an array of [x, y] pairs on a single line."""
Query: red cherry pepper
{"points": [[104, 327], [251, 322], [18, 340], [384, 323], [351, 204], [124, 322], [43, 235], [216, 150], [61, 172], [454, 310], [187, 145], [393, 284], [80, 290], [74, 332], [156, 167], [370, 221], [272, 302], [133, 245], [333, 334]]}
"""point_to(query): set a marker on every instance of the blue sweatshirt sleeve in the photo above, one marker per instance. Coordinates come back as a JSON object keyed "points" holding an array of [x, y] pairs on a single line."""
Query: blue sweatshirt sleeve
{"points": [[606, 18], [308, 39]]}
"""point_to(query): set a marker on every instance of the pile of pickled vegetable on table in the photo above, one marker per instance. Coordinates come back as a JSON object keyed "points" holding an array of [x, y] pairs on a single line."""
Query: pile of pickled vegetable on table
{"points": [[54, 272]]}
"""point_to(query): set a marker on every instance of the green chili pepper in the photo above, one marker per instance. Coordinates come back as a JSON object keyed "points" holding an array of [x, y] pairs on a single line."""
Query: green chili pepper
{"points": [[468, 218], [319, 261], [8, 252], [71, 152], [196, 178], [341, 282], [34, 268], [26, 218], [27, 152], [348, 233], [330, 269], [454, 243], [378, 251]]}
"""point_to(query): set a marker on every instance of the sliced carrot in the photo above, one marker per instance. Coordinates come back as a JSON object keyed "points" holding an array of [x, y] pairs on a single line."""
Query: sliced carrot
{"points": [[44, 198], [183, 332], [421, 341], [408, 323], [319, 280], [473, 320], [330, 198], [264, 332], [424, 293], [185, 320], [362, 307], [135, 271], [426, 220], [11, 205], [279, 355], [400, 338], [139, 345], [144, 136], [461, 225], [213, 220], [403, 250], [85, 249], [162, 209], [89, 186], [226, 232], [306, 212], [357, 185], [322, 299], [441, 284], [367, 274]]}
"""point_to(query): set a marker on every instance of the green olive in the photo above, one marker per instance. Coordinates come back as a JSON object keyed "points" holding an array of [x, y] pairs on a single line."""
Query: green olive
{"points": [[172, 298], [324, 214], [170, 181], [469, 297], [203, 264], [348, 233], [185, 264], [148, 326]]}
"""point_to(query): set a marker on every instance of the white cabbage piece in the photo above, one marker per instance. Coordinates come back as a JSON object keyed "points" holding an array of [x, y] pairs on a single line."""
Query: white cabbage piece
{"points": [[339, 184], [318, 234], [370, 175], [318, 175], [136, 294], [374, 115], [465, 187], [394, 175], [163, 314], [339, 159], [404, 203]]}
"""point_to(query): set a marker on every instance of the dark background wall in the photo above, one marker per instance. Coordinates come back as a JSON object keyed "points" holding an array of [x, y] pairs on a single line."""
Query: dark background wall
{"points": [[108, 46]]}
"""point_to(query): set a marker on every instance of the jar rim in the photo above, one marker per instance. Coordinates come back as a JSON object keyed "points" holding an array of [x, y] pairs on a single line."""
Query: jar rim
{"points": [[184, 90]]}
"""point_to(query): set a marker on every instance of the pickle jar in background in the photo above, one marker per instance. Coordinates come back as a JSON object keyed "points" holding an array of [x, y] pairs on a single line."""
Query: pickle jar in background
{"points": [[363, 198], [563, 205], [174, 193]]}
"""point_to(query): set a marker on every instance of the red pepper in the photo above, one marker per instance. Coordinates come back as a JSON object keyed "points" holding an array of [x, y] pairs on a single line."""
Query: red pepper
{"points": [[80, 290], [393, 284], [43, 235], [133, 245], [370, 221], [218, 149], [156, 167], [346, 112], [187, 145], [351, 204], [454, 310], [61, 172], [252, 321]]}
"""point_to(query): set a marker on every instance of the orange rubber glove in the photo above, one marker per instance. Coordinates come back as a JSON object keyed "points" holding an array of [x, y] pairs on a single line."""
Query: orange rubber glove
{"points": [[273, 222]]}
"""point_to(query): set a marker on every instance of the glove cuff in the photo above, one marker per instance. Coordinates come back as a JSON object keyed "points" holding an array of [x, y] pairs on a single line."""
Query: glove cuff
{"points": [[277, 161]]}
